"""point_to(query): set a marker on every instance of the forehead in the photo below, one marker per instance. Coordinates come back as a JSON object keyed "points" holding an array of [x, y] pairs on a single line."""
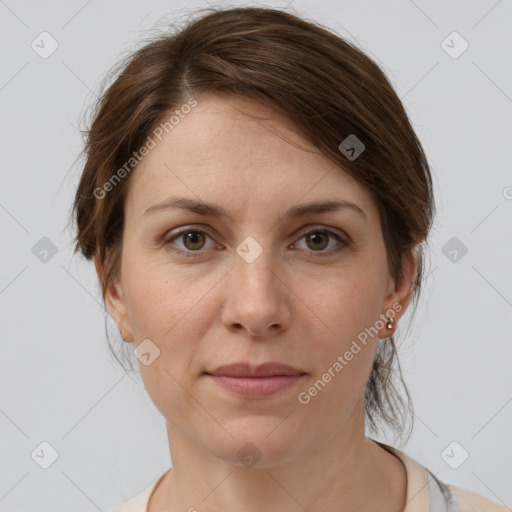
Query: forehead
{"points": [[240, 154]]}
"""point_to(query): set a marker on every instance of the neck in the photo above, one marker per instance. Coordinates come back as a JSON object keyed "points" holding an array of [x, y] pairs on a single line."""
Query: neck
{"points": [[346, 472]]}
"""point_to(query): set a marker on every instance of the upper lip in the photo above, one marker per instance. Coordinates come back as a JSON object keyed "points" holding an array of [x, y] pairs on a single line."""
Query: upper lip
{"points": [[248, 370]]}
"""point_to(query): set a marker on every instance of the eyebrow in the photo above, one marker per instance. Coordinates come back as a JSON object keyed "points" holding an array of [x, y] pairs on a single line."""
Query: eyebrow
{"points": [[213, 210]]}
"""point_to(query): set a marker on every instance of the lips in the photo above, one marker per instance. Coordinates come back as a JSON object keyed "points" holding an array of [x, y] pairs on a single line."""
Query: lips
{"points": [[241, 370]]}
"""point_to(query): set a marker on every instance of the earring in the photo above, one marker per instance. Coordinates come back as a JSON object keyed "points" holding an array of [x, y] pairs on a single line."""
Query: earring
{"points": [[389, 325], [122, 335]]}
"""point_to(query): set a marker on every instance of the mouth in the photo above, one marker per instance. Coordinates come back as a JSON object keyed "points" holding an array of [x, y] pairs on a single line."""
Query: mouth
{"points": [[271, 369], [260, 381]]}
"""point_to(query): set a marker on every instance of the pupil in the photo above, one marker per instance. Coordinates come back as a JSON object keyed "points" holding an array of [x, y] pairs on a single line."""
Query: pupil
{"points": [[192, 236], [313, 236]]}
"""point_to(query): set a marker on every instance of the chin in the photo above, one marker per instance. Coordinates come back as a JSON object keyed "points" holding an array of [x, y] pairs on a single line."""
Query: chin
{"points": [[257, 442]]}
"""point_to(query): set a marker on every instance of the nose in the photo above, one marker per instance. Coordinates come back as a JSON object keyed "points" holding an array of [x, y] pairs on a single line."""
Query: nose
{"points": [[257, 298]]}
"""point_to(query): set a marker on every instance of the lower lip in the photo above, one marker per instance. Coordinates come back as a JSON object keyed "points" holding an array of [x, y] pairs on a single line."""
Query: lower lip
{"points": [[256, 387]]}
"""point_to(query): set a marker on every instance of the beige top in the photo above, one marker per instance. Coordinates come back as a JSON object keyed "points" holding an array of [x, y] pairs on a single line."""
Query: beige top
{"points": [[423, 494]]}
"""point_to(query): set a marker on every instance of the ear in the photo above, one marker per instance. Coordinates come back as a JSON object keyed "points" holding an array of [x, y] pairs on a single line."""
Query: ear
{"points": [[400, 293], [115, 301]]}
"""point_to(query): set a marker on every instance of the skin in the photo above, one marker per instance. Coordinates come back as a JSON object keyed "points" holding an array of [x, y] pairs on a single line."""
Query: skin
{"points": [[288, 305]]}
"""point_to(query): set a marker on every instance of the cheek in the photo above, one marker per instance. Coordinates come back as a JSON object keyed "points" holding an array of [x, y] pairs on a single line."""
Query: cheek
{"points": [[349, 307], [346, 343], [170, 309], [162, 297]]}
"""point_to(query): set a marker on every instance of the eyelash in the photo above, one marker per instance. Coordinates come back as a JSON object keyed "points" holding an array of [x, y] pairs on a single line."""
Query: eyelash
{"points": [[168, 243]]}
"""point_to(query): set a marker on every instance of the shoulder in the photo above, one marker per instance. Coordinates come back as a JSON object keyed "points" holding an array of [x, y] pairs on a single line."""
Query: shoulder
{"points": [[423, 493], [470, 501], [139, 503]]}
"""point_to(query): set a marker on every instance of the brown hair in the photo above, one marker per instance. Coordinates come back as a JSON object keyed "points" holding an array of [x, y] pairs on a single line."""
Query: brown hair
{"points": [[324, 84]]}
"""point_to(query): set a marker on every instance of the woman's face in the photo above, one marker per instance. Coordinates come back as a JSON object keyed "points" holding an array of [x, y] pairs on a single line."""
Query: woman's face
{"points": [[258, 285]]}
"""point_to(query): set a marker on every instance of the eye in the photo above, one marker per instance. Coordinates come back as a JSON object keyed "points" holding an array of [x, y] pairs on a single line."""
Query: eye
{"points": [[318, 239], [192, 238], [193, 241]]}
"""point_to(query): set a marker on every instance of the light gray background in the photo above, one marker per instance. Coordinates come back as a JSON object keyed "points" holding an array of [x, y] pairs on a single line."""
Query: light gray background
{"points": [[59, 383]]}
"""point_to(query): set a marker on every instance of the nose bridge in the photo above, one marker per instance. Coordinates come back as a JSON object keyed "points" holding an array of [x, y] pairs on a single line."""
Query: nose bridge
{"points": [[254, 265], [254, 299]]}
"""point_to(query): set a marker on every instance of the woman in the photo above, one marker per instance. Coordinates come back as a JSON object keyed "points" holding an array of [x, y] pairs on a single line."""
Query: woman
{"points": [[216, 160]]}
